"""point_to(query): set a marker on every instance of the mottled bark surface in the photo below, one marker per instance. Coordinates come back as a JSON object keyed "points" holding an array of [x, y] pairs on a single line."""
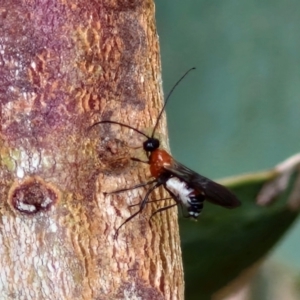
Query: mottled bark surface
{"points": [[64, 65]]}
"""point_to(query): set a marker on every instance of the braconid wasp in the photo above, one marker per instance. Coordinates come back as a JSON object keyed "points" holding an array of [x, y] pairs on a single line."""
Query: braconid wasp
{"points": [[185, 186]]}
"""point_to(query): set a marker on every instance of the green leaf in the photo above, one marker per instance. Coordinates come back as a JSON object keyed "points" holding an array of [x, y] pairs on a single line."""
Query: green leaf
{"points": [[223, 243]]}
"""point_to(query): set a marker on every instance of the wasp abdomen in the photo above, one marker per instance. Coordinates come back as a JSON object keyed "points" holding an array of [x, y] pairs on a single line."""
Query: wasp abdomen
{"points": [[196, 205], [186, 195]]}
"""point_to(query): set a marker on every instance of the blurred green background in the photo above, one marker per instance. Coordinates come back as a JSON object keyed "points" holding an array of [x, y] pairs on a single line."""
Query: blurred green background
{"points": [[238, 112]]}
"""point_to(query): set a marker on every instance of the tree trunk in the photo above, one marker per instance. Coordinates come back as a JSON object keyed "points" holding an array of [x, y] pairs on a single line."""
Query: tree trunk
{"points": [[65, 65]]}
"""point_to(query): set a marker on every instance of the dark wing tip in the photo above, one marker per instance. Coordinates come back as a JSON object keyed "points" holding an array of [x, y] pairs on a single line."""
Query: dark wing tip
{"points": [[220, 195]]}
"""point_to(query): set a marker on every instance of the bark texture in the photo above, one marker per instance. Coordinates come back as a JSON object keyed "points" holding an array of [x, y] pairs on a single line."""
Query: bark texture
{"points": [[64, 65]]}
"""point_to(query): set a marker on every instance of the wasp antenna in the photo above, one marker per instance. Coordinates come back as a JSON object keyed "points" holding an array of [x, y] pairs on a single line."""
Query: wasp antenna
{"points": [[166, 101], [121, 124]]}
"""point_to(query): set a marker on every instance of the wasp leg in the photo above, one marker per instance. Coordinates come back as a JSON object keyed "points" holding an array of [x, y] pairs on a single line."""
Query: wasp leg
{"points": [[131, 188], [167, 207], [151, 201], [142, 206], [139, 160], [162, 209], [183, 214]]}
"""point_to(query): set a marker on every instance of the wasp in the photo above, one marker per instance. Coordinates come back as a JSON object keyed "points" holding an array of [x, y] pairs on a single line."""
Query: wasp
{"points": [[185, 186]]}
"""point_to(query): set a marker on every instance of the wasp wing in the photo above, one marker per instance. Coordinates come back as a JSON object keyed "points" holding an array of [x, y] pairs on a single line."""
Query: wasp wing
{"points": [[214, 192]]}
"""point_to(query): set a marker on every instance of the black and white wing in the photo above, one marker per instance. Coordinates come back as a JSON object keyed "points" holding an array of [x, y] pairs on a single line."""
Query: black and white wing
{"points": [[214, 192]]}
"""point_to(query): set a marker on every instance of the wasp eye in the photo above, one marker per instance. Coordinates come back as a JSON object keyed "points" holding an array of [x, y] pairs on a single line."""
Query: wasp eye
{"points": [[151, 144]]}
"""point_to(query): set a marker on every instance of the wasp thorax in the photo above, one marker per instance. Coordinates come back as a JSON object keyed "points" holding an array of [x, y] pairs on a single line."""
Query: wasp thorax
{"points": [[151, 144]]}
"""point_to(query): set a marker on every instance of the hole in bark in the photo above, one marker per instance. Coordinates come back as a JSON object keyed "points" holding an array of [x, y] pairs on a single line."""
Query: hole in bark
{"points": [[33, 196]]}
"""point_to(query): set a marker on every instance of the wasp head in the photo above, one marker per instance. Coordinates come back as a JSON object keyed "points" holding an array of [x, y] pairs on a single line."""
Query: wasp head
{"points": [[151, 144]]}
